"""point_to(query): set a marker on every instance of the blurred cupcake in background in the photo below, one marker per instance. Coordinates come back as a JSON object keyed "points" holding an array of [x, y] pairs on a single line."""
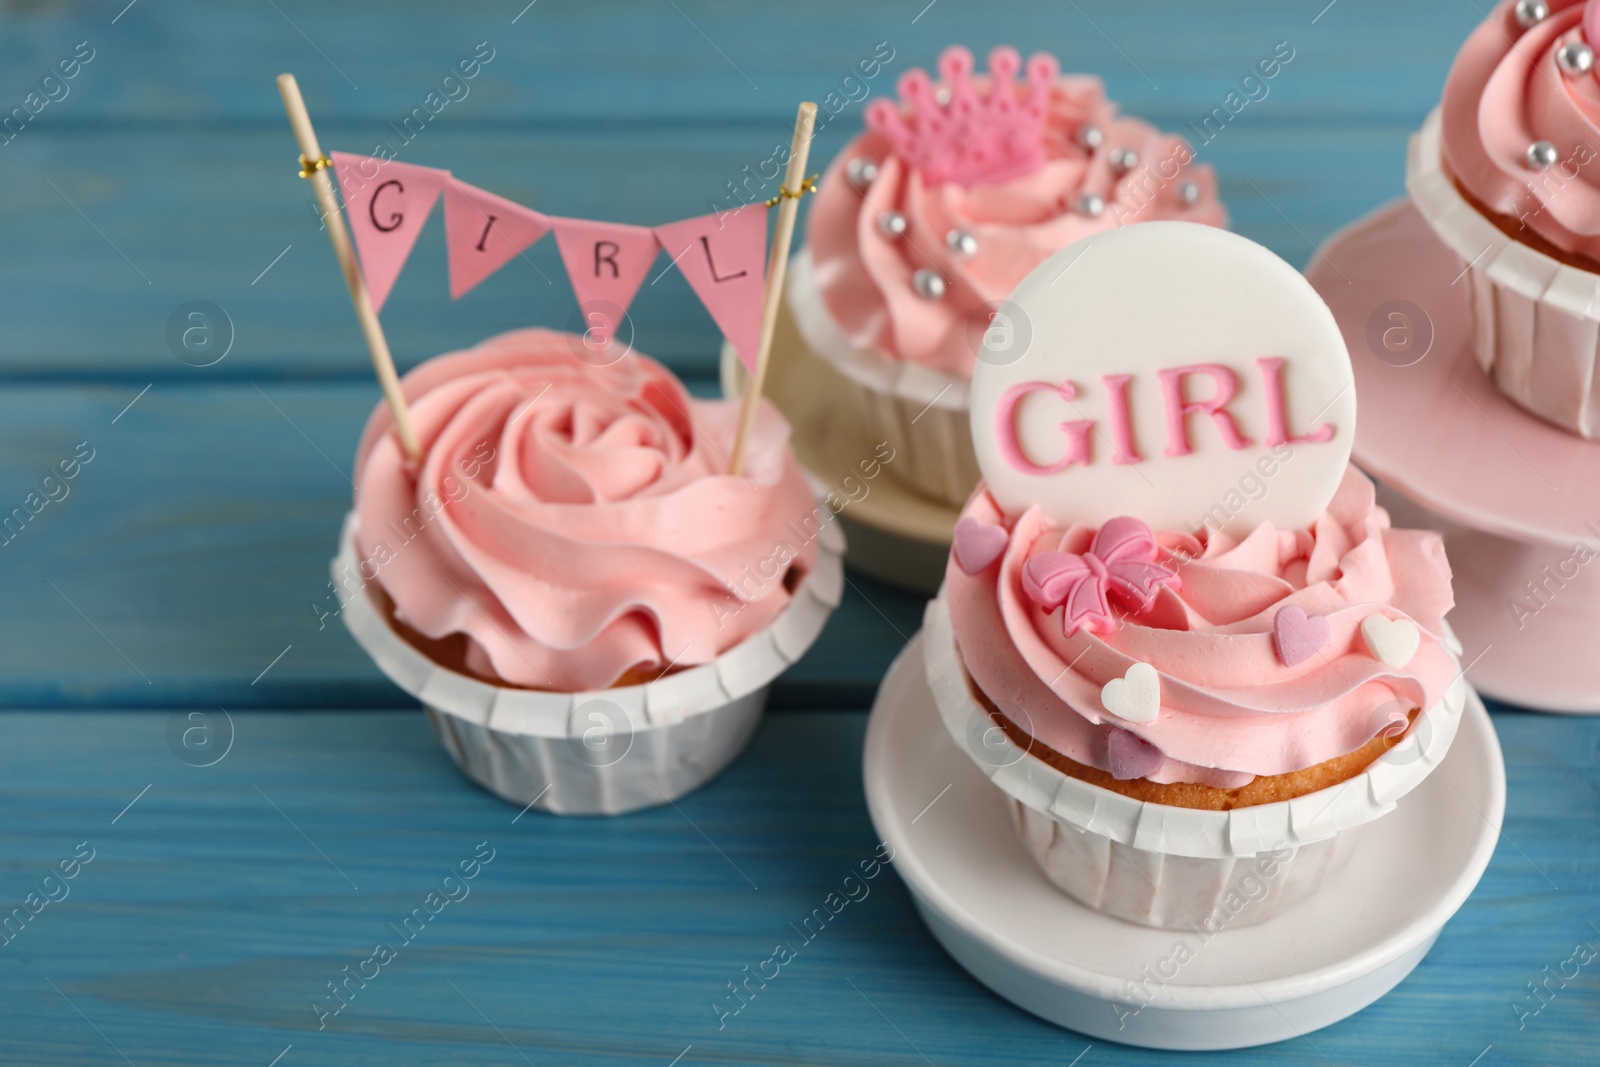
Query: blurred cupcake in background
{"points": [[1503, 170], [590, 607], [925, 223]]}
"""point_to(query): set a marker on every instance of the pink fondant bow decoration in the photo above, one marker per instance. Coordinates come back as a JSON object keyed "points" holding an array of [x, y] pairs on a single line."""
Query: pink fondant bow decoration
{"points": [[1120, 563]]}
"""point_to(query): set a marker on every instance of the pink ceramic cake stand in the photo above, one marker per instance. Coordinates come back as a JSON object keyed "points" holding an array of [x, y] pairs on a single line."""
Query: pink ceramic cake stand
{"points": [[1514, 496]]}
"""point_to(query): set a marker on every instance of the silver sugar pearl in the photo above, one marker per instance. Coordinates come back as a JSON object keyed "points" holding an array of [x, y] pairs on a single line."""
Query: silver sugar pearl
{"points": [[861, 171], [892, 224], [941, 96], [1123, 160], [1530, 12], [1575, 58], [1188, 193], [1542, 154], [1091, 204], [962, 243], [1089, 137], [928, 284]]}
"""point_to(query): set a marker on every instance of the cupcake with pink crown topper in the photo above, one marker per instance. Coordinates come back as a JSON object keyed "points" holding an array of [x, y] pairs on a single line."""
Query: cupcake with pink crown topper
{"points": [[926, 222]]}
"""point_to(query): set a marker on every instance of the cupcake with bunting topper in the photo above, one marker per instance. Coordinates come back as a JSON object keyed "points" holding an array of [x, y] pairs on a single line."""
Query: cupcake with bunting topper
{"points": [[1473, 310], [925, 223], [587, 576], [588, 603], [1176, 630]]}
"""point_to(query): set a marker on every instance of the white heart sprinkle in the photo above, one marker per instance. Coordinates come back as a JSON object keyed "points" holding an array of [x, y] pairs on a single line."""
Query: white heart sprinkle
{"points": [[1136, 696], [1391, 641]]}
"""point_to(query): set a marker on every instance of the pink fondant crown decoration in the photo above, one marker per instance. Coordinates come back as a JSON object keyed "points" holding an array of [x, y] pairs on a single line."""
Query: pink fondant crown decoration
{"points": [[1121, 562], [990, 137]]}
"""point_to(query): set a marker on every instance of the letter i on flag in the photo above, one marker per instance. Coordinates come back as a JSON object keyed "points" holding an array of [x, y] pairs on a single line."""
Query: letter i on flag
{"points": [[724, 259], [484, 232], [387, 204], [606, 263]]}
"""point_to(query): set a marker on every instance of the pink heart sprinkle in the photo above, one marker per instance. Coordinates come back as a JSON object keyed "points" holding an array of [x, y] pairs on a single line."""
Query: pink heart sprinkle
{"points": [[1130, 756], [977, 545], [1298, 636]]}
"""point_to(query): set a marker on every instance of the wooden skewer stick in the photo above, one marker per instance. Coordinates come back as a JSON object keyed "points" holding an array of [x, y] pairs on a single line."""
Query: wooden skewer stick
{"points": [[333, 219], [777, 261]]}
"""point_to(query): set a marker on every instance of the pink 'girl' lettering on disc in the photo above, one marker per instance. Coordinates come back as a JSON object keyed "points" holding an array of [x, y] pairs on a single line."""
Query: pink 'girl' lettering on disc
{"points": [[1182, 437], [1184, 375]]}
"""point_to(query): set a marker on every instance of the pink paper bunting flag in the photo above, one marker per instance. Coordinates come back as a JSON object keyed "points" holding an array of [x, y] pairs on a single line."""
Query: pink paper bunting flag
{"points": [[483, 232], [724, 258], [606, 263], [387, 204]]}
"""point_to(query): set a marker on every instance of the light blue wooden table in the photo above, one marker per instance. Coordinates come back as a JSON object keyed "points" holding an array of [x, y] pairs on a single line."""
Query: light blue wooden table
{"points": [[179, 575]]}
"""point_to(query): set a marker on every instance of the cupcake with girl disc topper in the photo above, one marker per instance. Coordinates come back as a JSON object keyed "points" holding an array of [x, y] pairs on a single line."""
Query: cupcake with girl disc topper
{"points": [[921, 228], [1472, 310], [588, 577], [1186, 695]]}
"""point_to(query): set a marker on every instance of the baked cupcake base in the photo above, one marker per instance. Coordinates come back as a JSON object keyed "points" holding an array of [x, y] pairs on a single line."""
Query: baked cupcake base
{"points": [[1263, 789], [613, 750]]}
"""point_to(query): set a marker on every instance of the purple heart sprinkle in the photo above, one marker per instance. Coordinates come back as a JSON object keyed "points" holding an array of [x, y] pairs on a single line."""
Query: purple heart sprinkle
{"points": [[977, 545], [1298, 636], [1130, 756]]}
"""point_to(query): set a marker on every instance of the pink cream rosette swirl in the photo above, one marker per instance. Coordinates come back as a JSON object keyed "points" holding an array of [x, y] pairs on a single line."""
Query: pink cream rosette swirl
{"points": [[1230, 709], [575, 523], [865, 275], [1507, 92]]}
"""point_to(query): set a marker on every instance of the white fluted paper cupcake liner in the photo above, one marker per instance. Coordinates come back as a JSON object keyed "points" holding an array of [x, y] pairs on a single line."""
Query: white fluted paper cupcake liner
{"points": [[613, 750], [1535, 320], [1175, 892], [1166, 866], [922, 412]]}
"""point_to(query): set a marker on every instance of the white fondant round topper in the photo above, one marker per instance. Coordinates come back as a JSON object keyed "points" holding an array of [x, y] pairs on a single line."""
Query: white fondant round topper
{"points": [[1174, 372]]}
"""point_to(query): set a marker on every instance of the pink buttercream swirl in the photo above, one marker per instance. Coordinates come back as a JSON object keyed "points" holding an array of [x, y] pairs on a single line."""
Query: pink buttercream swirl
{"points": [[1506, 92], [1230, 708], [576, 522], [865, 276]]}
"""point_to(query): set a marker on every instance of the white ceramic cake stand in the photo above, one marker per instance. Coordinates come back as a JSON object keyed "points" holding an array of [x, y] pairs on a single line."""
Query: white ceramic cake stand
{"points": [[993, 910], [1512, 493]]}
